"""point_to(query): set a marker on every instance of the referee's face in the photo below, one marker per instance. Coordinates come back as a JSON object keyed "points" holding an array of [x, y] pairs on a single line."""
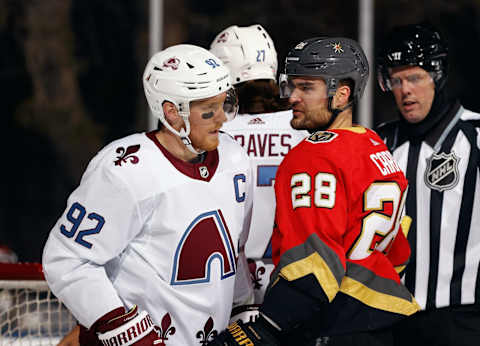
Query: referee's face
{"points": [[414, 90]]}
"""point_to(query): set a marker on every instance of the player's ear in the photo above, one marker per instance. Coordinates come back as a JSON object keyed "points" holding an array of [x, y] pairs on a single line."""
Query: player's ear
{"points": [[171, 114], [341, 96]]}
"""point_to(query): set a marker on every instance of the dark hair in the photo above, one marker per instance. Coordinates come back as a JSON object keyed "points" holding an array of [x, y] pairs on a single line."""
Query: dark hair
{"points": [[260, 96], [351, 84]]}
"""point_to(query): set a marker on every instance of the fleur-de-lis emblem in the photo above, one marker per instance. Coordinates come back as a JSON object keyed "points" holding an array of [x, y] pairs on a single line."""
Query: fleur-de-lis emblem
{"points": [[126, 155], [337, 47], [256, 273], [208, 333], [165, 330]]}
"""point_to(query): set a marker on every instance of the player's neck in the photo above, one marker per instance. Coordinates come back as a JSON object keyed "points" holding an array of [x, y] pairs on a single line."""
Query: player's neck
{"points": [[174, 145], [344, 119]]}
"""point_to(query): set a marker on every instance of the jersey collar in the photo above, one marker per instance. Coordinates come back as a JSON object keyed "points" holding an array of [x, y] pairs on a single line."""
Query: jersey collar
{"points": [[201, 171]]}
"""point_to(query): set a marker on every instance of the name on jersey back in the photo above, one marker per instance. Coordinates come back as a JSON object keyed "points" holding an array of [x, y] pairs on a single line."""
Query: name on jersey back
{"points": [[265, 144], [385, 162]]}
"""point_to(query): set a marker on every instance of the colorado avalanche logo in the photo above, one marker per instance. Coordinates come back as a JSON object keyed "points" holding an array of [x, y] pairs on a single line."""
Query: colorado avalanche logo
{"points": [[193, 258], [442, 171], [171, 63], [222, 38]]}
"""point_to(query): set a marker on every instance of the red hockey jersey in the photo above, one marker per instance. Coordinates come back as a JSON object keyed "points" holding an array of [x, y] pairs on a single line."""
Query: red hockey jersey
{"points": [[340, 198]]}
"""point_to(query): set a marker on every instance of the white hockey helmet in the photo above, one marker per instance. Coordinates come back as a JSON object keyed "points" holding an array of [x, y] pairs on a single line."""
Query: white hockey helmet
{"points": [[248, 52], [184, 73]]}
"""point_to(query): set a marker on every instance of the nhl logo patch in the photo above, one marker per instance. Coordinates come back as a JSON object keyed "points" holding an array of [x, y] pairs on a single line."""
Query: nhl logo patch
{"points": [[442, 171], [322, 137], [203, 170]]}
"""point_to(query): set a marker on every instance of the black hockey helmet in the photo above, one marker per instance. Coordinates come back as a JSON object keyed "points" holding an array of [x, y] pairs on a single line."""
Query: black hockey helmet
{"points": [[332, 58], [413, 45]]}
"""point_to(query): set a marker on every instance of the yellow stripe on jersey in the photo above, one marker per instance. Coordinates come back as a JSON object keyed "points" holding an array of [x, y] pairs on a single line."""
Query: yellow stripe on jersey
{"points": [[355, 129], [377, 299], [316, 265], [405, 223]]}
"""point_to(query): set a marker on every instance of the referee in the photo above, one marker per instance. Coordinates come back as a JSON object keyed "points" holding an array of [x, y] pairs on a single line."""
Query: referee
{"points": [[436, 143]]}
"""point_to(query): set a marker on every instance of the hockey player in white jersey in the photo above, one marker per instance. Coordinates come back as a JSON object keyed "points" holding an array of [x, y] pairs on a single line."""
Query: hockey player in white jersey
{"points": [[151, 242], [262, 128]]}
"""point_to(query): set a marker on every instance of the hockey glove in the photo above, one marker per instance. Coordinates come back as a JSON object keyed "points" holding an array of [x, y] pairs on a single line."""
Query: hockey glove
{"points": [[122, 328], [258, 333]]}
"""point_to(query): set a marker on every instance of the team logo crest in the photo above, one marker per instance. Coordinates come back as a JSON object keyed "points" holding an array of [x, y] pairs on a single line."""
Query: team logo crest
{"points": [[337, 47], [171, 63], [322, 137], [223, 38], [203, 172], [442, 171]]}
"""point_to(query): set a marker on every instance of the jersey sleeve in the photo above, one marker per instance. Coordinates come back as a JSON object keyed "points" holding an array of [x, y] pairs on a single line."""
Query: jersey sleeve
{"points": [[100, 220], [399, 253]]}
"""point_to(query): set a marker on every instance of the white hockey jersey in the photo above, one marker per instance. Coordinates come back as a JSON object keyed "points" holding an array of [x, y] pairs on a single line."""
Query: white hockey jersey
{"points": [[146, 228], [267, 138]]}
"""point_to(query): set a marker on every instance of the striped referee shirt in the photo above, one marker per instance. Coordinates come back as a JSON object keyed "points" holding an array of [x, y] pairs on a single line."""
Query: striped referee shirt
{"points": [[444, 202]]}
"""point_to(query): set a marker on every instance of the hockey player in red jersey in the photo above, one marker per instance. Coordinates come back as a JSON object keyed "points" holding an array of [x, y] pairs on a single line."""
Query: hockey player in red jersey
{"points": [[338, 237]]}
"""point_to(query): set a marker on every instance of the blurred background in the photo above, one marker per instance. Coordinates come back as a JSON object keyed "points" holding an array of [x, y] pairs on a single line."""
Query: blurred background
{"points": [[70, 79]]}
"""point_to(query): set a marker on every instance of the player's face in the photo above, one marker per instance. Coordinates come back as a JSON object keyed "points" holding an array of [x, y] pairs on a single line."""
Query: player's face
{"points": [[309, 103], [414, 90], [206, 118]]}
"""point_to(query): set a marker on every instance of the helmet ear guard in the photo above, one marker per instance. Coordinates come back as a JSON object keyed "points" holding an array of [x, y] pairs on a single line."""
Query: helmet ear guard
{"points": [[413, 45]]}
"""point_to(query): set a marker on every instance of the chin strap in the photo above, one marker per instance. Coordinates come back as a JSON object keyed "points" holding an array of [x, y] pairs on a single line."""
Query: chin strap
{"points": [[335, 112], [183, 134], [187, 142]]}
